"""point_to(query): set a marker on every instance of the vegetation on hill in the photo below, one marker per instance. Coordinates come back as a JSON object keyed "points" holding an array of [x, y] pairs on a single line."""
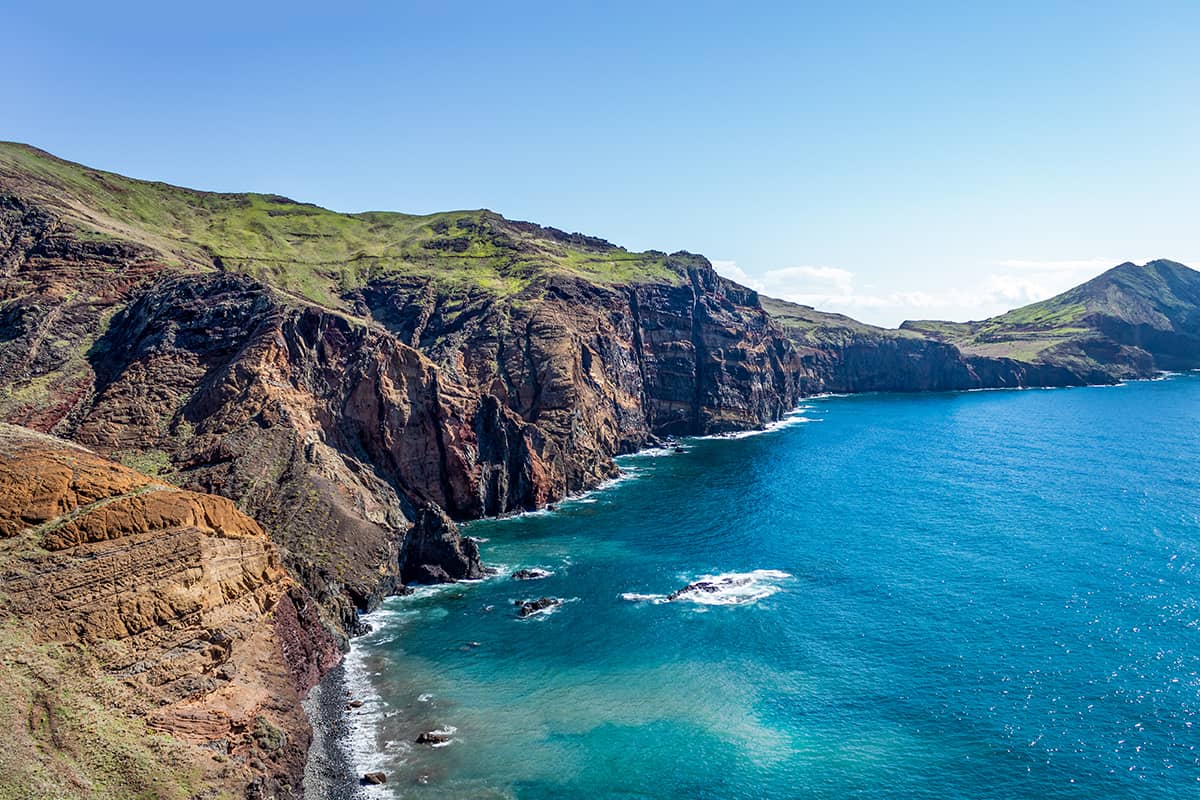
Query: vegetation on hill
{"points": [[808, 326], [322, 256], [313, 252]]}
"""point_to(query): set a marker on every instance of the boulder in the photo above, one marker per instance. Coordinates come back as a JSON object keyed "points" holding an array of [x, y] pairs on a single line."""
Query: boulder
{"points": [[435, 552], [433, 737], [527, 608]]}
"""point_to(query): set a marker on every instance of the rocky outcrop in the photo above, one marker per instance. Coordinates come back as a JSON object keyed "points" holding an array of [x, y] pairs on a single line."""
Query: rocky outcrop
{"points": [[333, 428], [529, 608], [534, 574], [177, 596], [434, 552]]}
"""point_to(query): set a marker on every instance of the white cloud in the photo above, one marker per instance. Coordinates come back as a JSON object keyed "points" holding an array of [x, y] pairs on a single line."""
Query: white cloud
{"points": [[731, 270]]}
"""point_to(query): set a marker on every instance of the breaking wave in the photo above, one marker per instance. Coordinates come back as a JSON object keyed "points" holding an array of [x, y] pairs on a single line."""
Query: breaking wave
{"points": [[724, 589]]}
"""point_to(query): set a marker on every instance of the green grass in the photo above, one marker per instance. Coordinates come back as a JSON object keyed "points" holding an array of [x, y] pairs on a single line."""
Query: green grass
{"points": [[148, 462], [310, 251]]}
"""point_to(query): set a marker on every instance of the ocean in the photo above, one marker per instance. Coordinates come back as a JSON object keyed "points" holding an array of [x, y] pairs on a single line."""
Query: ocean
{"points": [[961, 595]]}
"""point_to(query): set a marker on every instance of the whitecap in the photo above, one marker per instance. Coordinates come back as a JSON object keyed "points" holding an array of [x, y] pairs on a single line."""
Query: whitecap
{"points": [[635, 597], [792, 418], [658, 452]]}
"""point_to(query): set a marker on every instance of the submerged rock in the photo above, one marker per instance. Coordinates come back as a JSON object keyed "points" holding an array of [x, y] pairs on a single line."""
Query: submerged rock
{"points": [[707, 587], [527, 608], [433, 737]]}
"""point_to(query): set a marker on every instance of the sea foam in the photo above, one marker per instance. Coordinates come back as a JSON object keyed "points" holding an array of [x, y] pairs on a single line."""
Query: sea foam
{"points": [[723, 589]]}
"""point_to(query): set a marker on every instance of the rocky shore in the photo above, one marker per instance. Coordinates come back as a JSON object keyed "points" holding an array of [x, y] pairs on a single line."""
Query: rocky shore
{"points": [[330, 773]]}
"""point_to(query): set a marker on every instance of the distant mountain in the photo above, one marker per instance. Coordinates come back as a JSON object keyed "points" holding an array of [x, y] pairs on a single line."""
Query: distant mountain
{"points": [[1128, 322]]}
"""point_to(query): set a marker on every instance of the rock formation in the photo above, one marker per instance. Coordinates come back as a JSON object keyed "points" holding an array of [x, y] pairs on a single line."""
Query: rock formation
{"points": [[131, 603]]}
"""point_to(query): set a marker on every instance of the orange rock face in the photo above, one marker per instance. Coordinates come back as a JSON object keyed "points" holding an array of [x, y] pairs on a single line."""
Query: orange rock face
{"points": [[177, 594]]}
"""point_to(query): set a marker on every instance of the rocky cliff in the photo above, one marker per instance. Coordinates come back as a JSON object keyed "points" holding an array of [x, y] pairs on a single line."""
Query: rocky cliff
{"points": [[1131, 322], [495, 366], [144, 625]]}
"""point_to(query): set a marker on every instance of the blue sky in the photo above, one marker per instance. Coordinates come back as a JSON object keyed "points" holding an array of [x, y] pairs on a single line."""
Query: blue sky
{"points": [[886, 160]]}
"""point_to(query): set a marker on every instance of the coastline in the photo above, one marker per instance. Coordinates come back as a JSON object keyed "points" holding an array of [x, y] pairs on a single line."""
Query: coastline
{"points": [[333, 770]]}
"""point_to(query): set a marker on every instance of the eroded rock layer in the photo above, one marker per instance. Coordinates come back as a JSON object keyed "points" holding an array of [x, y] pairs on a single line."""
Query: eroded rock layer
{"points": [[177, 598]]}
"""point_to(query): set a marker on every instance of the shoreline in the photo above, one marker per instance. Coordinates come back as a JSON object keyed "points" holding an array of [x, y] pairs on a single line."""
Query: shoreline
{"points": [[332, 769]]}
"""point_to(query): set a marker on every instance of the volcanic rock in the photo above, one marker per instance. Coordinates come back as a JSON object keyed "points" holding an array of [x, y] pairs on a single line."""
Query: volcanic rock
{"points": [[527, 608]]}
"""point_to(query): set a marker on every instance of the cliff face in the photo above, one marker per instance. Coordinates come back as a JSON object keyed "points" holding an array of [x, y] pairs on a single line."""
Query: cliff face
{"points": [[592, 370], [1130, 322], [341, 426], [902, 364], [143, 622]]}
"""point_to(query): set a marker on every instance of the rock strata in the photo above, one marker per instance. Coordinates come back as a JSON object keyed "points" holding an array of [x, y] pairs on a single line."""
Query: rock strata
{"points": [[177, 597]]}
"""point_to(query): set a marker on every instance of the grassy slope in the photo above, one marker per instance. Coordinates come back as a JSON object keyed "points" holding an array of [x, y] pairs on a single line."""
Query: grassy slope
{"points": [[310, 251], [319, 255], [67, 734]]}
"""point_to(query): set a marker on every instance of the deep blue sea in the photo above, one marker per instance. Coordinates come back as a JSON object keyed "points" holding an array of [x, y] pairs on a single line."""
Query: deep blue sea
{"points": [[967, 595]]}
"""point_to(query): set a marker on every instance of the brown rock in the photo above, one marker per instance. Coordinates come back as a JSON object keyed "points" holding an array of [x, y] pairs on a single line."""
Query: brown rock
{"points": [[172, 593]]}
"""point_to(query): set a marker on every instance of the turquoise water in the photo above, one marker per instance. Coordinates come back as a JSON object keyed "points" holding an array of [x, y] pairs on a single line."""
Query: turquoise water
{"points": [[987, 595]]}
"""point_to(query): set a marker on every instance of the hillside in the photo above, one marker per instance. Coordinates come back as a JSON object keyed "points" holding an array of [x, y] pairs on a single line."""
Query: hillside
{"points": [[312, 252], [355, 383], [153, 644]]}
